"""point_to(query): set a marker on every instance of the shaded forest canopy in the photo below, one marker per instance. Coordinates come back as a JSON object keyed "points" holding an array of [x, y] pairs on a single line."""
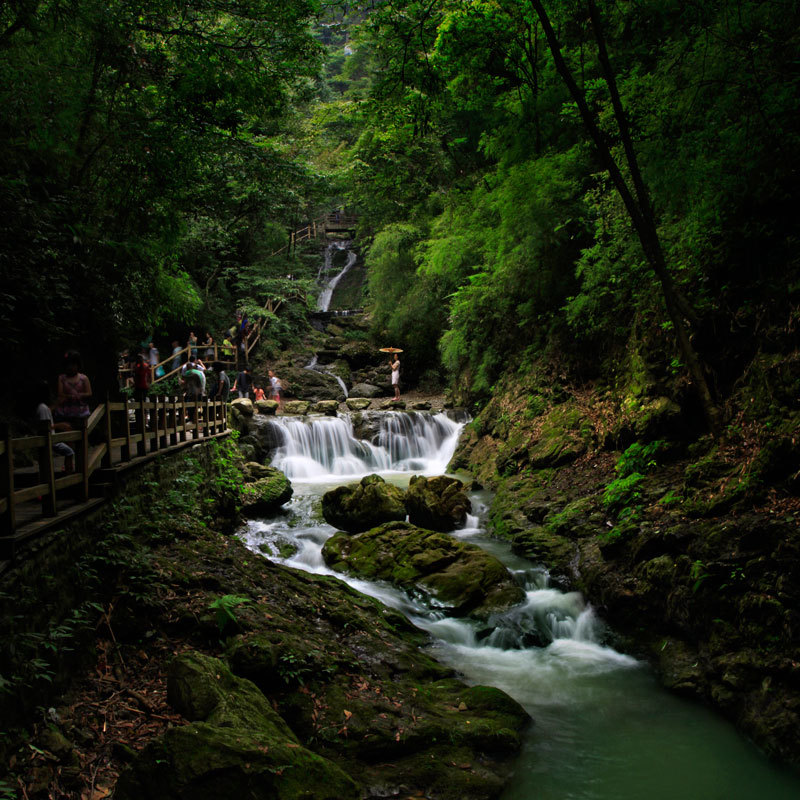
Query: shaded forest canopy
{"points": [[153, 156]]}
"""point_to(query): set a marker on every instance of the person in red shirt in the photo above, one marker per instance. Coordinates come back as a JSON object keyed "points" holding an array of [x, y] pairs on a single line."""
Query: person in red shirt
{"points": [[142, 377], [258, 393]]}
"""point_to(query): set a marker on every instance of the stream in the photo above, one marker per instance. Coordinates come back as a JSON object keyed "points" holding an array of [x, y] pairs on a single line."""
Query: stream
{"points": [[603, 726]]}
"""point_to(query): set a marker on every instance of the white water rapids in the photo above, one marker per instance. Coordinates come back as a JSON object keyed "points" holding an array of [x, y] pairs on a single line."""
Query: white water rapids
{"points": [[603, 729]]}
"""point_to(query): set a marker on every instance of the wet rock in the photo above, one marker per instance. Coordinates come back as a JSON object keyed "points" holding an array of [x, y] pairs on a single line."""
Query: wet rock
{"points": [[367, 424], [253, 471], [543, 546], [439, 504], [243, 406], [360, 506], [396, 405], [357, 403], [458, 575], [268, 493], [298, 407], [327, 407], [421, 405], [657, 418], [365, 390], [311, 385], [236, 746], [267, 407], [360, 354]]}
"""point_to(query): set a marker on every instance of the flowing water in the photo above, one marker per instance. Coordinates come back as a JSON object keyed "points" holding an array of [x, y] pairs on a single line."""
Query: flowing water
{"points": [[604, 729], [324, 299]]}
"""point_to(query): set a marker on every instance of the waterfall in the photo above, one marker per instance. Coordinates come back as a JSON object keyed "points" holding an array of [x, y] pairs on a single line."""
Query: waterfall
{"points": [[313, 365], [325, 296], [325, 448]]}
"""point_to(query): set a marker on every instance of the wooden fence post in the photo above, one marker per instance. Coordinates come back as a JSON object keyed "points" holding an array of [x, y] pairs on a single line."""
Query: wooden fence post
{"points": [[8, 521], [183, 418], [47, 472], [154, 425], [141, 424], [108, 458], [84, 458], [126, 449]]}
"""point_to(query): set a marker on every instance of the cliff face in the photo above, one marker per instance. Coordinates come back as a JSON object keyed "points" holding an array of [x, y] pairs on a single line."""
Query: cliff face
{"points": [[689, 546]]}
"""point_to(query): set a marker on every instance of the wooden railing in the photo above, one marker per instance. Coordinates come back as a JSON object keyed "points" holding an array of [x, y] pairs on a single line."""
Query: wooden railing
{"points": [[120, 433]]}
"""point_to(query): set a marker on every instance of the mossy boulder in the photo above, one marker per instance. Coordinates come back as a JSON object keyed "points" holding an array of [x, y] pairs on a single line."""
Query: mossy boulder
{"points": [[540, 544], [267, 493], [394, 405], [365, 390], [456, 574], [440, 503], [243, 406], [236, 746], [360, 506], [327, 407], [267, 407], [357, 403], [562, 438], [298, 407], [253, 471]]}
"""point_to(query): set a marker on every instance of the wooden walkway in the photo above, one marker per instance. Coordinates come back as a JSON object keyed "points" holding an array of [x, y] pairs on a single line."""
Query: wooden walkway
{"points": [[114, 438]]}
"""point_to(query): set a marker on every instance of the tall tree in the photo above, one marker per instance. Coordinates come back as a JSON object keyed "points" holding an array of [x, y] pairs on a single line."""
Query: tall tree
{"points": [[637, 200]]}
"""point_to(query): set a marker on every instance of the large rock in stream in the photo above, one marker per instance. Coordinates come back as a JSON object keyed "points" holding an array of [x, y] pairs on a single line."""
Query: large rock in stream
{"points": [[440, 503], [458, 575], [360, 506], [266, 490], [236, 746]]}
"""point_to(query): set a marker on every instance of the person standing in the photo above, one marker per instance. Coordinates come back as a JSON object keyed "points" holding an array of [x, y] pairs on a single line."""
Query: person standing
{"points": [[209, 345], [244, 383], [142, 378], [395, 365], [44, 414], [176, 356], [223, 383], [192, 345], [275, 387], [74, 390]]}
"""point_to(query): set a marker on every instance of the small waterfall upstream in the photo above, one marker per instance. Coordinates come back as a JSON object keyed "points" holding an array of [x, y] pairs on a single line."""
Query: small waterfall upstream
{"points": [[325, 296], [604, 729]]}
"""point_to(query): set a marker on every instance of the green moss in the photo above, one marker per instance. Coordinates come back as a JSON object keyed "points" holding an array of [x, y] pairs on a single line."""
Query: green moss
{"points": [[458, 574]]}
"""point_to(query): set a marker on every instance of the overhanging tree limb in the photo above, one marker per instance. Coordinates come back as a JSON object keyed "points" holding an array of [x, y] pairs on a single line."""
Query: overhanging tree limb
{"points": [[638, 208]]}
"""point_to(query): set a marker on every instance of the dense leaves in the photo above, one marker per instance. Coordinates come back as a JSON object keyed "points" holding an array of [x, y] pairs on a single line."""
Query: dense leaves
{"points": [[139, 156], [517, 214]]}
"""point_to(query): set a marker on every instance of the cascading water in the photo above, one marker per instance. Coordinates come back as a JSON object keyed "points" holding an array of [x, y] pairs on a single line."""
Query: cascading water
{"points": [[325, 296], [603, 728], [326, 448]]}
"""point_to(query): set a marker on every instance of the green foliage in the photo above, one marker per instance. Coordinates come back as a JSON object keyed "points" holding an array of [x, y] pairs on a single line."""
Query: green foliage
{"points": [[223, 608], [639, 458], [623, 492]]}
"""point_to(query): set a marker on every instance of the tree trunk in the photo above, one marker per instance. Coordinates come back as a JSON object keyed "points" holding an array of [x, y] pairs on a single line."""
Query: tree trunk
{"points": [[639, 208]]}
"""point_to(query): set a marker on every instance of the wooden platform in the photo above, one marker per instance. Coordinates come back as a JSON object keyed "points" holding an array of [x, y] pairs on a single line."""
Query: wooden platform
{"points": [[37, 499]]}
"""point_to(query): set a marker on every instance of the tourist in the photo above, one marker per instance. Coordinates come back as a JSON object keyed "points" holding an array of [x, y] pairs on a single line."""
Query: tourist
{"points": [[275, 387], [223, 383], [176, 356], [258, 393], [209, 345], [74, 390], [395, 365], [192, 345], [244, 383], [44, 414], [142, 378], [153, 358], [228, 349]]}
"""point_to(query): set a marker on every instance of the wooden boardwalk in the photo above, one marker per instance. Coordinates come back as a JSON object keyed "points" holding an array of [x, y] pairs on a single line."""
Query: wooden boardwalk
{"points": [[115, 438]]}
